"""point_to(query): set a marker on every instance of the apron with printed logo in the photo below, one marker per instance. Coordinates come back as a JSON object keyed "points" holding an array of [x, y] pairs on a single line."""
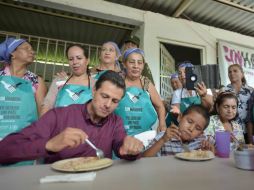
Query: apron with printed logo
{"points": [[17, 106], [97, 75], [137, 111], [185, 103], [73, 94], [188, 101]]}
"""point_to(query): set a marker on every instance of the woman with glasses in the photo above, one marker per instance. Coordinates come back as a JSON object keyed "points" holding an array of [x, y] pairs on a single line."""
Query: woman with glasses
{"points": [[183, 97]]}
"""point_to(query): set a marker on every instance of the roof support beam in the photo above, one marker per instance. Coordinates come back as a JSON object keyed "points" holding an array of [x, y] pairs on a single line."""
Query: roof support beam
{"points": [[236, 5], [182, 7], [63, 15]]}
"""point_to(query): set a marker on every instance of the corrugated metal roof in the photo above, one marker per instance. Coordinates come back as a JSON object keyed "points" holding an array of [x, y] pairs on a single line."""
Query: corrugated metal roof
{"points": [[27, 18], [40, 21], [232, 15]]}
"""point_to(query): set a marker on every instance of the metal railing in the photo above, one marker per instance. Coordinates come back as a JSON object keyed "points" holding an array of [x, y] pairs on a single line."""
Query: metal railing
{"points": [[167, 67], [50, 54]]}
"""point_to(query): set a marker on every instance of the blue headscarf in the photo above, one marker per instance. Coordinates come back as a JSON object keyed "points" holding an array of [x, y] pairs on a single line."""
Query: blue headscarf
{"points": [[133, 50], [7, 47], [185, 64], [173, 76]]}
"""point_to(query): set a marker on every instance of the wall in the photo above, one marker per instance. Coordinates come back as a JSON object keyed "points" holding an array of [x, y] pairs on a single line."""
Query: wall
{"points": [[96, 8], [158, 28]]}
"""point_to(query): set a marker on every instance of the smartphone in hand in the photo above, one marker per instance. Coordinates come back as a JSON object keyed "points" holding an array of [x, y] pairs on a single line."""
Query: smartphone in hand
{"points": [[192, 76]]}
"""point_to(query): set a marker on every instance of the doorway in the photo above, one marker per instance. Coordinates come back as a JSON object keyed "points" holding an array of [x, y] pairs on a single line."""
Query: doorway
{"points": [[170, 57]]}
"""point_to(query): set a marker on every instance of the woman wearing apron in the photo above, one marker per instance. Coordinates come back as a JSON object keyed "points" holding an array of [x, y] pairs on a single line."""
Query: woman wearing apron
{"points": [[175, 84], [76, 89], [109, 56], [21, 91], [183, 98], [141, 105]]}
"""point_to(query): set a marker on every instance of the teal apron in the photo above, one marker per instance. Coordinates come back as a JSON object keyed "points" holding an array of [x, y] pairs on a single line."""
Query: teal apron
{"points": [[185, 103], [137, 111], [97, 75], [188, 101], [73, 94], [17, 106]]}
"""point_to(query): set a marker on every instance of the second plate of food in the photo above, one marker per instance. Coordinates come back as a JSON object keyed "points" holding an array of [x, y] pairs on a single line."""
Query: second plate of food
{"points": [[195, 155]]}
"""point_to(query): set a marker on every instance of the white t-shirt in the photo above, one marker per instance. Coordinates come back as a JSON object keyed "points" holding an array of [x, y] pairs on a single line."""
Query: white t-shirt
{"points": [[183, 93]]}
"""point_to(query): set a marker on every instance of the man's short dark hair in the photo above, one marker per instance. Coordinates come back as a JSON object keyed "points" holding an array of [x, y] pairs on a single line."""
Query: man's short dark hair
{"points": [[199, 109], [112, 77], [133, 39]]}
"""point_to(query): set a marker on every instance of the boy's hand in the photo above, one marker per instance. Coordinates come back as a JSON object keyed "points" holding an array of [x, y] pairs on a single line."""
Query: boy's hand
{"points": [[171, 132], [206, 145]]}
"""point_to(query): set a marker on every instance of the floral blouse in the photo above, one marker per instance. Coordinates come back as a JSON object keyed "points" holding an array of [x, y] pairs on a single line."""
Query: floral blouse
{"points": [[33, 78], [243, 96], [216, 125]]}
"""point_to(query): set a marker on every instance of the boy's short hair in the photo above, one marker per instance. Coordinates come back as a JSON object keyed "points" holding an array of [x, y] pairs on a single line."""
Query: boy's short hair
{"points": [[199, 109], [133, 39]]}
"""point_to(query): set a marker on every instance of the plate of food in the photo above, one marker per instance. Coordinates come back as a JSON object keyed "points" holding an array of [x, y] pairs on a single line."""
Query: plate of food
{"points": [[81, 164], [196, 155]]}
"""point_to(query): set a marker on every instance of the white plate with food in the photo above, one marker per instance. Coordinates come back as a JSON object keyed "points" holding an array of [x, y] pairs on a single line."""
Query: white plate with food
{"points": [[196, 155], [81, 164]]}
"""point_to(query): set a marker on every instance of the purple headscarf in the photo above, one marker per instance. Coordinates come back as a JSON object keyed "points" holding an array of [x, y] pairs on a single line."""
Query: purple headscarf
{"points": [[173, 76], [132, 50], [118, 52], [7, 47], [185, 64]]}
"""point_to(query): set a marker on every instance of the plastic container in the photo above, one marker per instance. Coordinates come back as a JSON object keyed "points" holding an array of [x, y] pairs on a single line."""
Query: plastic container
{"points": [[244, 159]]}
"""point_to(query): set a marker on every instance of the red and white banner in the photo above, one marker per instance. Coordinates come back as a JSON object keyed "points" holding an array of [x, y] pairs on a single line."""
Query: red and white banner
{"points": [[230, 53]]}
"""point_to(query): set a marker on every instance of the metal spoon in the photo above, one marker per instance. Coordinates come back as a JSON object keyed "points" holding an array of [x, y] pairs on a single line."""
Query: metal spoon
{"points": [[240, 144], [99, 152], [185, 147]]}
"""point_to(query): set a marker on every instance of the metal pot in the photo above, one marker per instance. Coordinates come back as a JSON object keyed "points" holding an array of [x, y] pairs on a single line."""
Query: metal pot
{"points": [[244, 159]]}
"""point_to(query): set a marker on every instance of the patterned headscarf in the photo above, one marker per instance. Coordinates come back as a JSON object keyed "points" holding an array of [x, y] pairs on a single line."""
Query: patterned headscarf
{"points": [[7, 47], [133, 50]]}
